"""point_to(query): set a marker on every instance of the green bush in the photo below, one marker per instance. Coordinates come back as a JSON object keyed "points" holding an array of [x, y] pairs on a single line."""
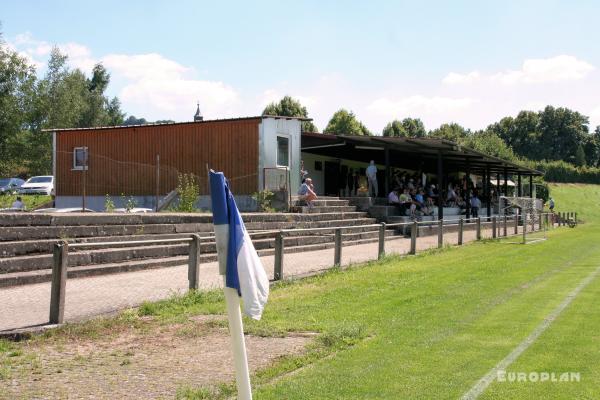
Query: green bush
{"points": [[188, 190], [563, 172], [263, 199]]}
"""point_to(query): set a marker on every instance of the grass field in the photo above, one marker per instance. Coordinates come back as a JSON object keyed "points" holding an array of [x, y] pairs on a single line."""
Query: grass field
{"points": [[31, 201], [425, 326]]}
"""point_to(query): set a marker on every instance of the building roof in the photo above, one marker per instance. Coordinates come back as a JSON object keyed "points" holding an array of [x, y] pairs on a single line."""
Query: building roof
{"points": [[410, 152], [173, 123]]}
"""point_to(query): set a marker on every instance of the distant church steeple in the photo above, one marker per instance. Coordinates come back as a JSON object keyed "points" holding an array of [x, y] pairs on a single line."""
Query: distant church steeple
{"points": [[198, 116]]}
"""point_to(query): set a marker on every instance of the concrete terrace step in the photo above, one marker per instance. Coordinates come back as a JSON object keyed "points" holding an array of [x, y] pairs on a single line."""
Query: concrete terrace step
{"points": [[28, 247], [67, 232], [323, 209], [322, 203], [303, 225]]}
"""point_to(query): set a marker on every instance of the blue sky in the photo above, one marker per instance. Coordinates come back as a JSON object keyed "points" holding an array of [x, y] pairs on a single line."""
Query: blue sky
{"points": [[470, 62]]}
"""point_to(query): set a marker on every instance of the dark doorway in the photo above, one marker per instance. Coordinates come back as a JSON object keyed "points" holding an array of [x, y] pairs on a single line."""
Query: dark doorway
{"points": [[332, 177]]}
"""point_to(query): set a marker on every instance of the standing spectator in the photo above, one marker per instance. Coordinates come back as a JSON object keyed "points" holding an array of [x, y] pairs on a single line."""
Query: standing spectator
{"points": [[350, 182], [372, 179], [18, 204], [551, 204], [475, 205]]}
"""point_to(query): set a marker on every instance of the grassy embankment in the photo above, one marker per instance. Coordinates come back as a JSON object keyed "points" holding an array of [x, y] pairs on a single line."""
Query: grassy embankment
{"points": [[31, 201]]}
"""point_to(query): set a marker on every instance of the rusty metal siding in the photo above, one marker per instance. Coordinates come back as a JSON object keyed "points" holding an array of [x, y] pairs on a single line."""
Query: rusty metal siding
{"points": [[123, 160]]}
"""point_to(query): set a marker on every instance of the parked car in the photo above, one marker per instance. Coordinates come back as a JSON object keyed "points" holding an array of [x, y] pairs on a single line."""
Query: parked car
{"points": [[10, 185], [38, 185]]}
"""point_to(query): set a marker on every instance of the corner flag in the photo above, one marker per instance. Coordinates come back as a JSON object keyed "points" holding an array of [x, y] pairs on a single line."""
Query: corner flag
{"points": [[243, 269]]}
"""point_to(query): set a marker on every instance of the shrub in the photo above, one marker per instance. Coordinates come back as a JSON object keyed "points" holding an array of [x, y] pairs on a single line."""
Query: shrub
{"points": [[263, 199], [109, 205], [188, 190]]}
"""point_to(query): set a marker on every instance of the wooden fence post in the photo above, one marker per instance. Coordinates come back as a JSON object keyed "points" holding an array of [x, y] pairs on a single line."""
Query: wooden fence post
{"points": [[278, 270], [337, 257], [194, 262], [460, 231], [413, 237], [533, 221], [505, 226], [381, 252], [494, 227], [59, 282], [440, 233], [540, 223], [575, 218], [478, 229], [516, 224]]}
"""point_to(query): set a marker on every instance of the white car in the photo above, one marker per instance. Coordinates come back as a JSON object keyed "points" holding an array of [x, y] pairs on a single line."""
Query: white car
{"points": [[38, 185]]}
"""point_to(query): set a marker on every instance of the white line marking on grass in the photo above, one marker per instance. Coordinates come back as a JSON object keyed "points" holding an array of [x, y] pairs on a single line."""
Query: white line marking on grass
{"points": [[484, 382]]}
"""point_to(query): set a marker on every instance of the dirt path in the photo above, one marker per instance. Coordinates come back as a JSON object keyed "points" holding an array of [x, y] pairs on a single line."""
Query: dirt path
{"points": [[133, 365]]}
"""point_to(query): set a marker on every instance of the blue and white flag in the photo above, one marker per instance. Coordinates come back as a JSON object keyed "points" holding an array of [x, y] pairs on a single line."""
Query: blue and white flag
{"points": [[243, 269]]}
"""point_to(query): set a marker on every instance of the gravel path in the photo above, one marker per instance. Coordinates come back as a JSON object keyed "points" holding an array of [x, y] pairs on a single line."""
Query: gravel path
{"points": [[28, 305]]}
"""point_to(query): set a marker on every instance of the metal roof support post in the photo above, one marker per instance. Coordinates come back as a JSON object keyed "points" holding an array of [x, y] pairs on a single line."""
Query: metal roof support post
{"points": [[505, 182], [387, 170], [519, 189], [531, 186], [488, 197], [440, 174], [468, 193]]}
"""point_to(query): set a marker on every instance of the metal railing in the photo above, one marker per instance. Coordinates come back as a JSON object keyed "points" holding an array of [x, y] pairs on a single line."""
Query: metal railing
{"points": [[499, 226], [61, 262]]}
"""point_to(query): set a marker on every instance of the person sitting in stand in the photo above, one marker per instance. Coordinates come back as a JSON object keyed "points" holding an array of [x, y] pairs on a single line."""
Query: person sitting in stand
{"points": [[451, 197], [18, 204], [394, 200], [307, 193]]}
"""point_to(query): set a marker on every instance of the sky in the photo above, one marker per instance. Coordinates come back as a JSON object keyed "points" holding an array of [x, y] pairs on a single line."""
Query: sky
{"points": [[470, 62]]}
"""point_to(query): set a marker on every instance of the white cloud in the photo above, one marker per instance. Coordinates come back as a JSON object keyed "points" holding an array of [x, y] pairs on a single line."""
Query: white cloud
{"points": [[562, 68], [454, 78], [419, 105], [156, 85], [595, 118]]}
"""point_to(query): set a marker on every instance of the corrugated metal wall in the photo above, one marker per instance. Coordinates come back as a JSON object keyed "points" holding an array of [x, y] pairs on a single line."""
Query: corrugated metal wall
{"points": [[123, 160]]}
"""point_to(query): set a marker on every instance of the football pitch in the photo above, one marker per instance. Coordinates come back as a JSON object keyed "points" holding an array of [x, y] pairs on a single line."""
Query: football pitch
{"points": [[488, 321]]}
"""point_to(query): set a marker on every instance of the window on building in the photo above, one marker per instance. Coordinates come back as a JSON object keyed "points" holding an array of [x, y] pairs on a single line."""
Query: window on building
{"points": [[80, 158], [283, 151]]}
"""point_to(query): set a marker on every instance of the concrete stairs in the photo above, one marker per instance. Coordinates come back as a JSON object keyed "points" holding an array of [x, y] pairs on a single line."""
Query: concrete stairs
{"points": [[27, 239]]}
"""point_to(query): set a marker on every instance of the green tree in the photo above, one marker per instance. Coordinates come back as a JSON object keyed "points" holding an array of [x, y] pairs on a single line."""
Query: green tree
{"points": [[395, 129], [344, 122], [17, 96], [592, 148], [561, 132], [580, 156], [451, 131], [408, 127], [290, 107]]}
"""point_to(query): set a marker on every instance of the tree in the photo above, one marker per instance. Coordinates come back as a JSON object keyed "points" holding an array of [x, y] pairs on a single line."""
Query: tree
{"points": [[17, 95], [408, 127], [579, 156], [290, 107], [561, 132], [591, 147], [344, 122], [451, 131], [132, 120], [394, 129]]}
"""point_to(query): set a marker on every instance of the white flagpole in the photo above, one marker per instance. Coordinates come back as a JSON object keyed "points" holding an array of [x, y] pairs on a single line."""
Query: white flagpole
{"points": [[234, 315]]}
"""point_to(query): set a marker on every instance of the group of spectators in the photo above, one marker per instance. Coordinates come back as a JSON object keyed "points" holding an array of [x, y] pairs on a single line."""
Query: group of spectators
{"points": [[414, 197]]}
